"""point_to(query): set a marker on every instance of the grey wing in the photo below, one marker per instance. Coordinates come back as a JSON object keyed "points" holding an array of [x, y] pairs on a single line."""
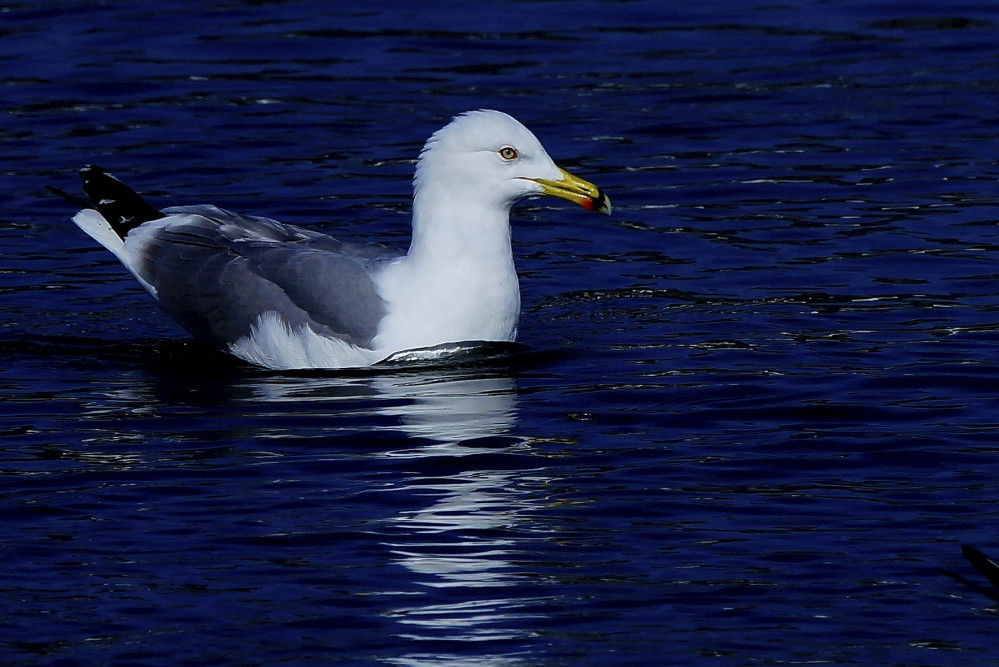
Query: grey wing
{"points": [[216, 276], [334, 291]]}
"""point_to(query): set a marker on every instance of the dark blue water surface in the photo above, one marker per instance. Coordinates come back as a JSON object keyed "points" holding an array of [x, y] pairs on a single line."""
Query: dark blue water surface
{"points": [[757, 412]]}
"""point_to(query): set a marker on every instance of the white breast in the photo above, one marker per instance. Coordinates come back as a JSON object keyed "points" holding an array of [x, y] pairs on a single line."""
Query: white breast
{"points": [[458, 302]]}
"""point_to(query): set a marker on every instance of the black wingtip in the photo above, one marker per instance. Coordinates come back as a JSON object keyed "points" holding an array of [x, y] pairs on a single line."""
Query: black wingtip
{"points": [[982, 563], [120, 205], [76, 200]]}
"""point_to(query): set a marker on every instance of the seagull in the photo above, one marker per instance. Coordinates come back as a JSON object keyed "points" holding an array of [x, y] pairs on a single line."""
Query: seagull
{"points": [[286, 297]]}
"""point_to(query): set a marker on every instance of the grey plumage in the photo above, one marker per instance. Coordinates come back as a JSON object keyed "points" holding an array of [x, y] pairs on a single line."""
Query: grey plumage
{"points": [[216, 272]]}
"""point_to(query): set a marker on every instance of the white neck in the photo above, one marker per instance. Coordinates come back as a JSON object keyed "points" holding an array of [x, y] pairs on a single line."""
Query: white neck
{"points": [[450, 228], [458, 281]]}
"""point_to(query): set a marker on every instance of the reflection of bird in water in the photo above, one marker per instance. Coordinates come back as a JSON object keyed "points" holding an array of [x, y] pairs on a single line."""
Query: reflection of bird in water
{"points": [[465, 514], [285, 297], [452, 411]]}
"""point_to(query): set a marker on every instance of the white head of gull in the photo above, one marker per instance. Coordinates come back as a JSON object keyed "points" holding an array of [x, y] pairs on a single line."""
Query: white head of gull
{"points": [[287, 297]]}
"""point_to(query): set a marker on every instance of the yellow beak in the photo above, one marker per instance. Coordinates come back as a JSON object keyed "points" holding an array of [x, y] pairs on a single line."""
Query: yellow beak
{"points": [[577, 190]]}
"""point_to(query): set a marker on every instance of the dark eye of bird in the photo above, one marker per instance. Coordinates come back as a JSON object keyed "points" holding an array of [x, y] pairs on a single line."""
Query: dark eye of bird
{"points": [[508, 153]]}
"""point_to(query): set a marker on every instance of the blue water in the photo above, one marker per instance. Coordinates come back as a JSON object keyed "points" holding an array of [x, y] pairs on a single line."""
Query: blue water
{"points": [[754, 418]]}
